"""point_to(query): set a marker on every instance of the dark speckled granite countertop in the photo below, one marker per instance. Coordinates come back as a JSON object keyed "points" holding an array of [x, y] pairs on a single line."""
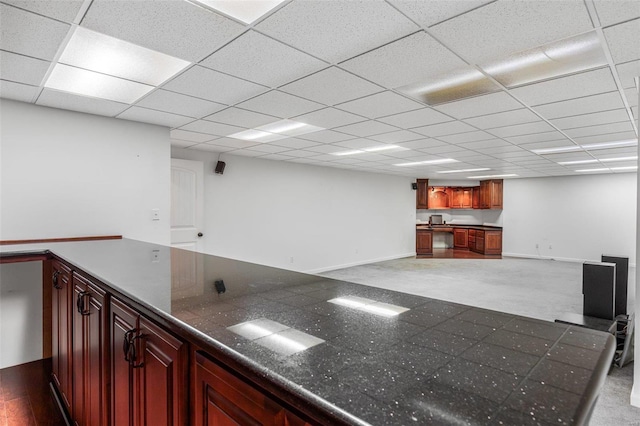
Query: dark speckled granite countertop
{"points": [[435, 363]]}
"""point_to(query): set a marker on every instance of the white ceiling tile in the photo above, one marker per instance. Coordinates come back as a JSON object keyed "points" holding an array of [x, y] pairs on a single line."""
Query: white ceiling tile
{"points": [[211, 128], [422, 144], [522, 129], [397, 136], [190, 136], [537, 137], [64, 100], [62, 10], [416, 118], [435, 11], [444, 149], [207, 84], [610, 137], [234, 143], [22, 69], [481, 145], [366, 128], [412, 59], [324, 149], [329, 118], [616, 152], [502, 119], [280, 104], [336, 31], [592, 119], [585, 105], [444, 129], [248, 153], [599, 130], [241, 117], [268, 148], [181, 144], [632, 96], [547, 144], [568, 156], [160, 25], [357, 144], [177, 103], [17, 91], [263, 60], [624, 41], [628, 72], [380, 104], [501, 28], [573, 86], [462, 138], [480, 105], [294, 143], [615, 11], [635, 112], [276, 157], [30, 34], [211, 148], [500, 149], [331, 86], [299, 153], [326, 136], [154, 117]]}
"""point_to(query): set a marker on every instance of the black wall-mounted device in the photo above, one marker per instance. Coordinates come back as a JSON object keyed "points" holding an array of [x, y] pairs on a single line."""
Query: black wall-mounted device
{"points": [[220, 167]]}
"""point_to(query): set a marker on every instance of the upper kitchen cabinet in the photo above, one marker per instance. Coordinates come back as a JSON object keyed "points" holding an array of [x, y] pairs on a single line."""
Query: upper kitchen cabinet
{"points": [[439, 197], [461, 197], [422, 201], [491, 194]]}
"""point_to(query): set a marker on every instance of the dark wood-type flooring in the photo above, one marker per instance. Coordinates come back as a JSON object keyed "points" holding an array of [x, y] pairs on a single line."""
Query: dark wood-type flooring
{"points": [[25, 398], [458, 254]]}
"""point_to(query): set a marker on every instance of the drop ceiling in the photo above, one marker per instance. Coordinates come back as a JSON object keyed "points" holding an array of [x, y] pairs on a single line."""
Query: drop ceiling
{"points": [[354, 70]]}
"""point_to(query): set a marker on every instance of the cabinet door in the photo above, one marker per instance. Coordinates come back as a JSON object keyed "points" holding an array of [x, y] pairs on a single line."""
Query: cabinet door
{"points": [[496, 194], [123, 320], [480, 241], [163, 377], [424, 242], [493, 242], [90, 358], [466, 198], [460, 238], [455, 197], [475, 197], [61, 331], [422, 194], [439, 197], [222, 399]]}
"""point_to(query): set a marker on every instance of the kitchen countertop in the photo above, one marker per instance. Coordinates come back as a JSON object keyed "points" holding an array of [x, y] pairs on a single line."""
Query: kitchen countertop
{"points": [[437, 362], [425, 225]]}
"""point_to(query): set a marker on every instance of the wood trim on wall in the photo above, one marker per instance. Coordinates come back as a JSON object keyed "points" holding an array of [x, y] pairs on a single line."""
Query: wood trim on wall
{"points": [[61, 240]]}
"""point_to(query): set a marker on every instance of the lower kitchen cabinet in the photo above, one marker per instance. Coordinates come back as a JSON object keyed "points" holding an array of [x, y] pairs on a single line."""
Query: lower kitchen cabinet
{"points": [[90, 355], [460, 238], [424, 242], [61, 331], [487, 242], [222, 399], [149, 371]]}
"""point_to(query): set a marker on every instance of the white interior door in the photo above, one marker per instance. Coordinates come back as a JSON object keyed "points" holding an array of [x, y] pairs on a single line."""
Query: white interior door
{"points": [[187, 180]]}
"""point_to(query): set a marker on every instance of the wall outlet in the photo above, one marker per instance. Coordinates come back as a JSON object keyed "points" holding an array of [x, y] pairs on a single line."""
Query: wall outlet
{"points": [[155, 214], [155, 256]]}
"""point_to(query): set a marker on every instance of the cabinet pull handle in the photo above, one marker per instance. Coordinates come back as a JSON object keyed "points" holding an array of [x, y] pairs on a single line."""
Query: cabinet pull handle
{"points": [[80, 303], [54, 278], [126, 345], [135, 355]]}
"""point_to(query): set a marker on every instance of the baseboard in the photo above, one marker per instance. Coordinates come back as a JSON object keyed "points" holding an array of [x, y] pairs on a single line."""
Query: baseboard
{"points": [[635, 395], [559, 259], [362, 262]]}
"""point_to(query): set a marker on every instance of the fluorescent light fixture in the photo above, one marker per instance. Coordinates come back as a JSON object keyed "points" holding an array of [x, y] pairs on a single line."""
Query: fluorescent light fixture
{"points": [[439, 161], [607, 160], [371, 149], [352, 152], [616, 169], [257, 135], [558, 149], [492, 176], [96, 85], [573, 54], [289, 128], [369, 305], [457, 84], [246, 11], [464, 170], [604, 169], [108, 55], [615, 144]]}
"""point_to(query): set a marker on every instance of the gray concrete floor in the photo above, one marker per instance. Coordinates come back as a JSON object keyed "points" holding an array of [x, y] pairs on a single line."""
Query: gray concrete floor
{"points": [[542, 289]]}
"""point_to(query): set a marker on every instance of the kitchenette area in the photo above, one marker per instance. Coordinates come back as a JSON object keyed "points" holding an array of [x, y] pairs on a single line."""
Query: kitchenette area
{"points": [[456, 220]]}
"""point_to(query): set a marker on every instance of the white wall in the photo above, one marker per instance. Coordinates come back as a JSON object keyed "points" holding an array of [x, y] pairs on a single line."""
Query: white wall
{"points": [[68, 174], [579, 217], [20, 313], [270, 211]]}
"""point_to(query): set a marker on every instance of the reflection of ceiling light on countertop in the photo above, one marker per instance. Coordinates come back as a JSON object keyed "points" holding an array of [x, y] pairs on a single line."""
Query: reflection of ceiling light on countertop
{"points": [[93, 64], [420, 163], [369, 305], [246, 11], [464, 170], [571, 55]]}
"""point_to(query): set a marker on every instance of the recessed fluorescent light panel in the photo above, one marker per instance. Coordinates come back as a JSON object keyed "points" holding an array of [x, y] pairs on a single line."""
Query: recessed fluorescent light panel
{"points": [[464, 170], [588, 147], [574, 54], [607, 169], [421, 163], [274, 131], [278, 337], [371, 149], [369, 305], [492, 176], [607, 160], [93, 64], [246, 11]]}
